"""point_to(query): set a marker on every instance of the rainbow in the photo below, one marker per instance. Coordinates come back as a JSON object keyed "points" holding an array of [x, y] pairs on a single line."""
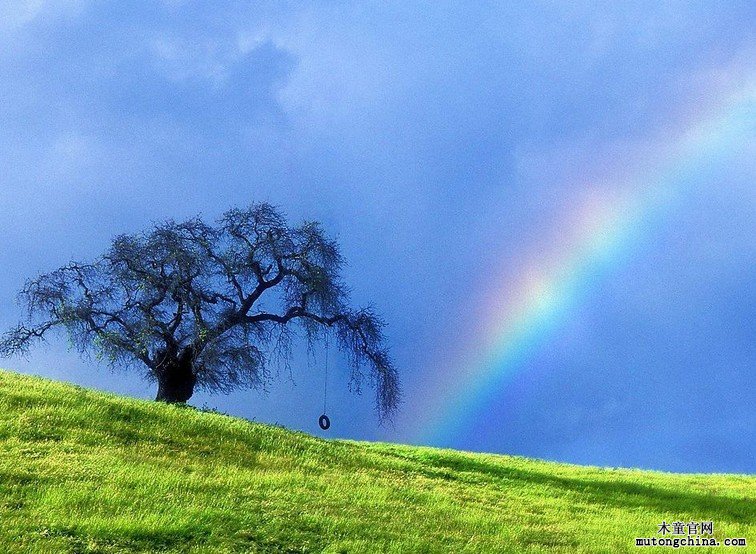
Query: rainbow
{"points": [[601, 234]]}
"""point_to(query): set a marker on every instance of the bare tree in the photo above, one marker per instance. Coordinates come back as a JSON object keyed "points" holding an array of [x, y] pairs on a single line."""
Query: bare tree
{"points": [[206, 307]]}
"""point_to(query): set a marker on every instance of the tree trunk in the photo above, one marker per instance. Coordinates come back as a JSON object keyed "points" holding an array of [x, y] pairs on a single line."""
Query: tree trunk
{"points": [[176, 378]]}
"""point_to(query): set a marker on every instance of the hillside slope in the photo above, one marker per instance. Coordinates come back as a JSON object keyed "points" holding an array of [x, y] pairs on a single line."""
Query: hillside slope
{"points": [[83, 471]]}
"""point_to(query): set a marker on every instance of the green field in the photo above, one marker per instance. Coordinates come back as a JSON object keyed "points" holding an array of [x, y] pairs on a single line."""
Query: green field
{"points": [[84, 471]]}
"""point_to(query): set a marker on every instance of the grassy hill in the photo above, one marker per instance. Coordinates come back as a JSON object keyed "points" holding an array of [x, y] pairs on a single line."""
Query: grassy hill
{"points": [[83, 471]]}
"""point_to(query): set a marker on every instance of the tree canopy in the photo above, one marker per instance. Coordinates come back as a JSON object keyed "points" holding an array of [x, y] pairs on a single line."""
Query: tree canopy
{"points": [[196, 306]]}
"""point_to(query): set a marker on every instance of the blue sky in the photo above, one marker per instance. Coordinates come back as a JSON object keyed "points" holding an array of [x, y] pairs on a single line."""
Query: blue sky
{"points": [[438, 143]]}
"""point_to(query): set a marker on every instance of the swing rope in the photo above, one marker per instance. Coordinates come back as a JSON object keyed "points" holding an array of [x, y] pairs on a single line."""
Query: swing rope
{"points": [[325, 381]]}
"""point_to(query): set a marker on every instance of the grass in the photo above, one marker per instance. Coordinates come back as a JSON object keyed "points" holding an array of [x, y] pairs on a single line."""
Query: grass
{"points": [[84, 471]]}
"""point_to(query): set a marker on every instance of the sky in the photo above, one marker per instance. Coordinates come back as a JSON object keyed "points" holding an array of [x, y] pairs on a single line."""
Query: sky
{"points": [[550, 203]]}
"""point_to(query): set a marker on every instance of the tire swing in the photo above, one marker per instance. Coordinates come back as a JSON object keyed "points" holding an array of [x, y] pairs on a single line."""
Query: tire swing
{"points": [[323, 421]]}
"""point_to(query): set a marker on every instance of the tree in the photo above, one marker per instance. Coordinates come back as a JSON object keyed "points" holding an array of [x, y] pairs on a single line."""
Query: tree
{"points": [[206, 307]]}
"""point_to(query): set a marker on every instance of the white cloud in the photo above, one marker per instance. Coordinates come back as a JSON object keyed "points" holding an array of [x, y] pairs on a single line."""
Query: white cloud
{"points": [[15, 14], [182, 59]]}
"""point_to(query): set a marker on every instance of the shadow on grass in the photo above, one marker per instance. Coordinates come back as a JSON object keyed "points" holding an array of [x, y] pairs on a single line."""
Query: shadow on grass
{"points": [[133, 540], [616, 493]]}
